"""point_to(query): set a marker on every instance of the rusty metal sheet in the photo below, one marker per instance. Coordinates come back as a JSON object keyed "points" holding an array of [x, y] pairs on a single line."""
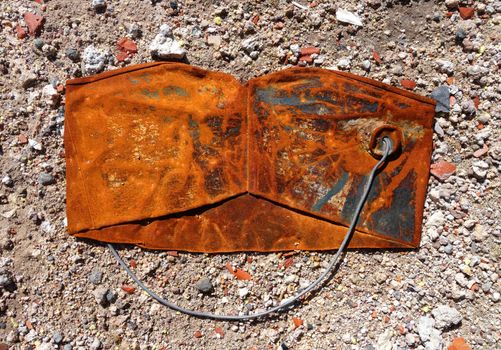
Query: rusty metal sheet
{"points": [[170, 156]]}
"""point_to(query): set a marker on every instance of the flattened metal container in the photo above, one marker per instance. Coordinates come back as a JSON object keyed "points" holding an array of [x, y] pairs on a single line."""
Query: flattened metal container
{"points": [[169, 156]]}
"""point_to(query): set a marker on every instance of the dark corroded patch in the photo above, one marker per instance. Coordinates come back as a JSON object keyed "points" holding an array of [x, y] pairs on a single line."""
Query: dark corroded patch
{"points": [[336, 188], [300, 99], [398, 219], [364, 105], [215, 182]]}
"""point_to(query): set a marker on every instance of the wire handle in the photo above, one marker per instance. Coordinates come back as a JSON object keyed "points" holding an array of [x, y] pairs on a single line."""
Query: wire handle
{"points": [[387, 149]]}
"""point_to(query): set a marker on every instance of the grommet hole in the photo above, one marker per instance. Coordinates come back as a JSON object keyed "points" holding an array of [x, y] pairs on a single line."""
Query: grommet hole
{"points": [[376, 141]]}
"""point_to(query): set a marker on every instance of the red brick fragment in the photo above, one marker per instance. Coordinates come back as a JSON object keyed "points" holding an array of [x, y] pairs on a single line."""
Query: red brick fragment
{"points": [[288, 262], [127, 45], [242, 275], [459, 344], [230, 268], [442, 170], [34, 23], [198, 334], [466, 12], [309, 51], [408, 84], [476, 101], [297, 322], [172, 253], [22, 139], [376, 57], [480, 152], [20, 32], [133, 263], [306, 58], [128, 289], [220, 331], [121, 56]]}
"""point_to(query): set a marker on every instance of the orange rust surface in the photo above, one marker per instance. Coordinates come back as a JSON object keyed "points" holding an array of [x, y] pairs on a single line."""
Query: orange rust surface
{"points": [[169, 156]]}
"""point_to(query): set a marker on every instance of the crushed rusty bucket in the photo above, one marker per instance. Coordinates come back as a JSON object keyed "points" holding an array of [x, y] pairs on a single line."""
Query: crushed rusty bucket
{"points": [[170, 156]]}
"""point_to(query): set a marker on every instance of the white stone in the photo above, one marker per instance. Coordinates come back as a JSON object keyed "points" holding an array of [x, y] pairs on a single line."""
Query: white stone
{"points": [[93, 60], [384, 340], [348, 17], [50, 95], [446, 317], [164, 46], [344, 63], [480, 169], [445, 66], [243, 292], [436, 219]]}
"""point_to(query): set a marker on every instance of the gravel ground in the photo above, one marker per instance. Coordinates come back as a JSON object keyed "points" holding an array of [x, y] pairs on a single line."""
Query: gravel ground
{"points": [[58, 292]]}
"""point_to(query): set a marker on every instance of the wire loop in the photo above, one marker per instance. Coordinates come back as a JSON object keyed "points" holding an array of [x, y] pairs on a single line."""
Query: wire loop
{"points": [[387, 148]]}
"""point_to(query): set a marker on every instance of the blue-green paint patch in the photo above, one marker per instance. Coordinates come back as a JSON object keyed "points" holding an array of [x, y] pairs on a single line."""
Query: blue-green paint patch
{"points": [[338, 186], [145, 77], [150, 93], [174, 90], [397, 220], [133, 81]]}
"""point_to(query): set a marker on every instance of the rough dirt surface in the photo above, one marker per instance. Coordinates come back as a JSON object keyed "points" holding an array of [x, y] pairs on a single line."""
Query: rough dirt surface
{"points": [[59, 292]]}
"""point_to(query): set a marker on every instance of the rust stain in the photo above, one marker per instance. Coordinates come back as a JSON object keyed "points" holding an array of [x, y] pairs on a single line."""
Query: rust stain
{"points": [[206, 164]]}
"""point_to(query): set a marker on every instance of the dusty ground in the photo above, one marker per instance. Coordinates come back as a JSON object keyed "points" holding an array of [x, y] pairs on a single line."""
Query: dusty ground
{"points": [[58, 292]]}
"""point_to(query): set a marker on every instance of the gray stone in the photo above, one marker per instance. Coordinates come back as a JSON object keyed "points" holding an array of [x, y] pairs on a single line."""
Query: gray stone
{"points": [[446, 317], [205, 286], [134, 31], [111, 296], [96, 344], [251, 44], [99, 5], [73, 55], [7, 181], [57, 338], [448, 249], [46, 179], [445, 66], [7, 281], [164, 46], [28, 79], [100, 296], [460, 35], [442, 96], [476, 72], [95, 277], [68, 347], [38, 43]]}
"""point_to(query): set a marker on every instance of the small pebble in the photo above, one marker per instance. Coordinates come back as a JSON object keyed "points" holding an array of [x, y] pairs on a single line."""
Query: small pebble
{"points": [[205, 286]]}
